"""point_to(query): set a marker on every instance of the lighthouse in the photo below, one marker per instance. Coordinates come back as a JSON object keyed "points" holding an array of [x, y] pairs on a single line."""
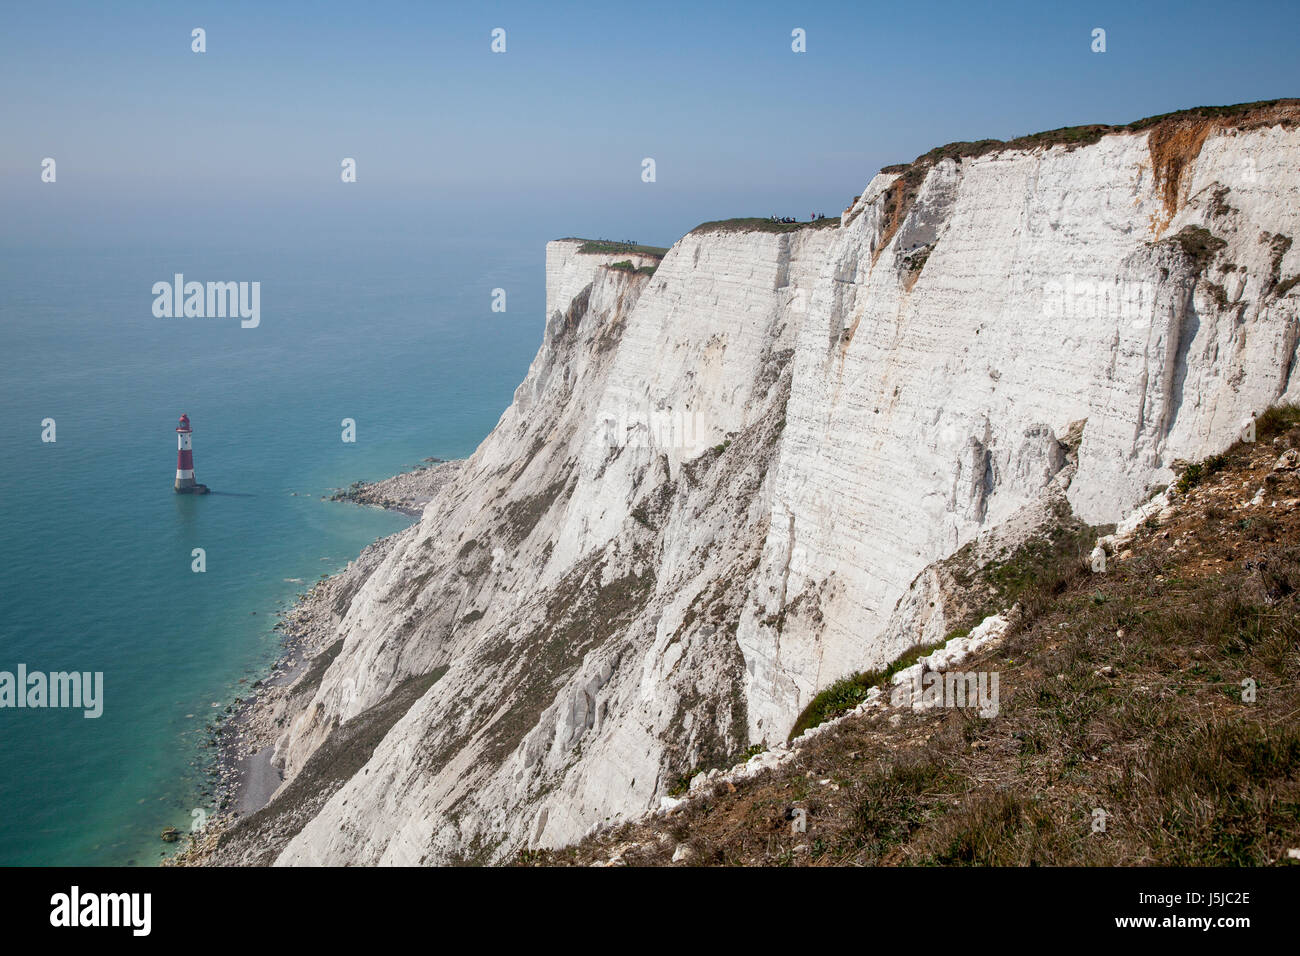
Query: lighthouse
{"points": [[185, 484]]}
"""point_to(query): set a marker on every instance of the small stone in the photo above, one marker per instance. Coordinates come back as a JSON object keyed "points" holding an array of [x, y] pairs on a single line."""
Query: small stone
{"points": [[683, 852]]}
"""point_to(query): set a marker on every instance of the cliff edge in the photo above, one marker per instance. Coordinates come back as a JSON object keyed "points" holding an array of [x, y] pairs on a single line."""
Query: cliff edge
{"points": [[731, 473]]}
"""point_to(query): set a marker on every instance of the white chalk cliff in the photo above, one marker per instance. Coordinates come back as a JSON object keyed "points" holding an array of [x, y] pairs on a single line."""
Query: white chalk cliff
{"points": [[715, 489]]}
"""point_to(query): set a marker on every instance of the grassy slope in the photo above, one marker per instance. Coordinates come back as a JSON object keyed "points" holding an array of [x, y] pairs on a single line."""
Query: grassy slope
{"points": [[1119, 691]]}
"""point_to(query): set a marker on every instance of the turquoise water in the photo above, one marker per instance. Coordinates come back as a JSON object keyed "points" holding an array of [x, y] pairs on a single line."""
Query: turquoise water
{"points": [[95, 549]]}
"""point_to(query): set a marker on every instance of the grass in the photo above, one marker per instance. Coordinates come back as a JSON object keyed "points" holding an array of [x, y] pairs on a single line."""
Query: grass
{"points": [[763, 224], [603, 247], [848, 692], [894, 803], [626, 266], [683, 781], [1196, 472], [1234, 111], [1040, 569], [1276, 420]]}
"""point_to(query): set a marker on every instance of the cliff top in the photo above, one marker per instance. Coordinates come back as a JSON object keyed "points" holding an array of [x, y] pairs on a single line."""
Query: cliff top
{"points": [[765, 224], [1175, 140], [600, 247], [1285, 112]]}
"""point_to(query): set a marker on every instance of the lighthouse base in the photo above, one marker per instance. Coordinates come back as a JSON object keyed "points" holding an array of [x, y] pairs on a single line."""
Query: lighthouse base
{"points": [[192, 490]]}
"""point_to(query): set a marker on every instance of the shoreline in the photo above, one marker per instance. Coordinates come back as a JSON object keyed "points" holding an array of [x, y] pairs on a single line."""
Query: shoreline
{"points": [[246, 776], [406, 492]]}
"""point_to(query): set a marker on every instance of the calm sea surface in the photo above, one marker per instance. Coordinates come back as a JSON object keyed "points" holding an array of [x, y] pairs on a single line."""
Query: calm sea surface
{"points": [[95, 549]]}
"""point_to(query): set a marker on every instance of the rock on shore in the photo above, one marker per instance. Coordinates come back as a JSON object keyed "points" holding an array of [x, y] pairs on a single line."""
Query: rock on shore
{"points": [[408, 492]]}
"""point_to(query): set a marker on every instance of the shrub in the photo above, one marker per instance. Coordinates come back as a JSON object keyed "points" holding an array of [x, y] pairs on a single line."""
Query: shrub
{"points": [[1200, 246], [847, 692], [1276, 420], [1198, 471]]}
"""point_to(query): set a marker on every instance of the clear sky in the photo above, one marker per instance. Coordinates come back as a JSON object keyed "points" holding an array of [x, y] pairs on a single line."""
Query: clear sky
{"points": [[548, 138]]}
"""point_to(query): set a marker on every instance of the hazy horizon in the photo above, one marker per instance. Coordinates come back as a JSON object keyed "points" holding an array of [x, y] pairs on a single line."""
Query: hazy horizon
{"points": [[547, 138]]}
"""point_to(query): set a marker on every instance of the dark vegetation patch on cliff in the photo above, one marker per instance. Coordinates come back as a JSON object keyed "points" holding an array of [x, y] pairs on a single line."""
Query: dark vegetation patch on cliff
{"points": [[653, 509], [914, 263], [717, 713], [1279, 246], [719, 719], [573, 315], [848, 692], [1219, 205], [764, 224], [625, 265], [583, 613], [1199, 245], [1286, 285], [306, 685], [604, 247], [520, 516], [1122, 698]]}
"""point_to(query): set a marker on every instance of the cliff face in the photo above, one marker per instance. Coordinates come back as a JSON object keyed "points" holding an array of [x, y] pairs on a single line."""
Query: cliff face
{"points": [[719, 486]]}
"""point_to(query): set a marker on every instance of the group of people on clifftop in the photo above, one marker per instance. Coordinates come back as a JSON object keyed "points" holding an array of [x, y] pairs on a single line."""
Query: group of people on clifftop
{"points": [[812, 217]]}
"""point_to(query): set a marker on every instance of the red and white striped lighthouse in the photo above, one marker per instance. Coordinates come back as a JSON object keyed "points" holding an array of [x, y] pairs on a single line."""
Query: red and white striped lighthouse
{"points": [[185, 484]]}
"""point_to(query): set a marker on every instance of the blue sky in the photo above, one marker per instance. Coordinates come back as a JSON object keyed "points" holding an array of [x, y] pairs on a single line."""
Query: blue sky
{"points": [[550, 135]]}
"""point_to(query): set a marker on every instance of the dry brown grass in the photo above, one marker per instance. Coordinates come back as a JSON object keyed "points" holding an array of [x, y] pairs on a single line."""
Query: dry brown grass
{"points": [[1119, 691]]}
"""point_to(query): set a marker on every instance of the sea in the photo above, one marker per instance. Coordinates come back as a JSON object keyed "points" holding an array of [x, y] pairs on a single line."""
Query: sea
{"points": [[98, 562]]}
